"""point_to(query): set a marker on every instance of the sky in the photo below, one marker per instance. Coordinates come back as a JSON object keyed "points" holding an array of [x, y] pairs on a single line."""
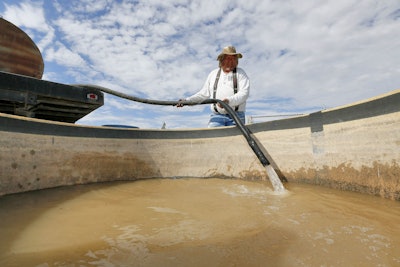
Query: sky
{"points": [[301, 56]]}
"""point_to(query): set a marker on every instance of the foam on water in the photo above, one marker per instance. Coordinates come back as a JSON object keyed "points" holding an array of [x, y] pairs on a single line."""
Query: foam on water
{"points": [[165, 210], [275, 181]]}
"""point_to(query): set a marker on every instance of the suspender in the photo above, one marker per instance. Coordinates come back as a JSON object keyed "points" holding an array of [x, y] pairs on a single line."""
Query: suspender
{"points": [[235, 86]]}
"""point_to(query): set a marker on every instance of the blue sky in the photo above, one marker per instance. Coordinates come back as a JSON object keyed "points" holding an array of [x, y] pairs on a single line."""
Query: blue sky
{"points": [[301, 56]]}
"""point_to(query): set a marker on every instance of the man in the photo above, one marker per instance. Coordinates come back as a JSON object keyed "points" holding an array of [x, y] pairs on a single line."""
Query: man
{"points": [[227, 83]]}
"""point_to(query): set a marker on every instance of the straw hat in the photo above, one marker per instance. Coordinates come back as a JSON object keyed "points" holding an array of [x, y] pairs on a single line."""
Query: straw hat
{"points": [[229, 50]]}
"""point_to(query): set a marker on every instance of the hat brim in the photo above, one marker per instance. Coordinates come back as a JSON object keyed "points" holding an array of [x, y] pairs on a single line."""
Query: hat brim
{"points": [[229, 54]]}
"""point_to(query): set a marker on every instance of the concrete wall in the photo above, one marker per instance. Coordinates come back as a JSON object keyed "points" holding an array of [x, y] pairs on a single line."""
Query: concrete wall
{"points": [[355, 147], [361, 155]]}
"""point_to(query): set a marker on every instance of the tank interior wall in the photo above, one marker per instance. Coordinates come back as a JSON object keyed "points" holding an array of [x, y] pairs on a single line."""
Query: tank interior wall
{"points": [[31, 161], [361, 155]]}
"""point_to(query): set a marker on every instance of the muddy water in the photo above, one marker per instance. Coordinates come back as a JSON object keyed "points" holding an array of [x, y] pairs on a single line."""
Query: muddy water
{"points": [[194, 222]]}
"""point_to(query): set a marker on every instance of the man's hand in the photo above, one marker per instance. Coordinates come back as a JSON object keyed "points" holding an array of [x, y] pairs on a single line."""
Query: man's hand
{"points": [[226, 100], [180, 104]]}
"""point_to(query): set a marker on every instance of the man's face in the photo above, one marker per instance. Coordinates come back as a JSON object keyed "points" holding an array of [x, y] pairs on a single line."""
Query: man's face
{"points": [[229, 63]]}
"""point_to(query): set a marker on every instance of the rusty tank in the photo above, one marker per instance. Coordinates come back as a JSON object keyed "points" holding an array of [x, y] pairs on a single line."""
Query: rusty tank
{"points": [[18, 53]]}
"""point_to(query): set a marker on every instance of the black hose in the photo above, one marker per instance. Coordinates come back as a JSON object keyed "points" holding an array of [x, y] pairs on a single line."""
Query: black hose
{"points": [[245, 131]]}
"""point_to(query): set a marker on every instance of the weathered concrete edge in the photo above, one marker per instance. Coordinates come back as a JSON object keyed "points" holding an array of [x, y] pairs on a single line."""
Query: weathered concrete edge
{"points": [[380, 105]]}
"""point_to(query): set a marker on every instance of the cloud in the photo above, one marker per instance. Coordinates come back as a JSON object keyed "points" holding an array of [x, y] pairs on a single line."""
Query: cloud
{"points": [[64, 56], [27, 14], [299, 57]]}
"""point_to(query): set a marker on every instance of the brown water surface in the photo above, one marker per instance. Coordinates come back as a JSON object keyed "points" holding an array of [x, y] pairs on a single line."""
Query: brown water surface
{"points": [[197, 222]]}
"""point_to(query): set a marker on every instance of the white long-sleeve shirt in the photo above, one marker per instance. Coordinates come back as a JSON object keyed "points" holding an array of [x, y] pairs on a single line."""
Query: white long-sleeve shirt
{"points": [[225, 89]]}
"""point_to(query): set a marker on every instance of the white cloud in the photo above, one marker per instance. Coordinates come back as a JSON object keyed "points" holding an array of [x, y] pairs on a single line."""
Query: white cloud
{"points": [[27, 14], [64, 56], [299, 56]]}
